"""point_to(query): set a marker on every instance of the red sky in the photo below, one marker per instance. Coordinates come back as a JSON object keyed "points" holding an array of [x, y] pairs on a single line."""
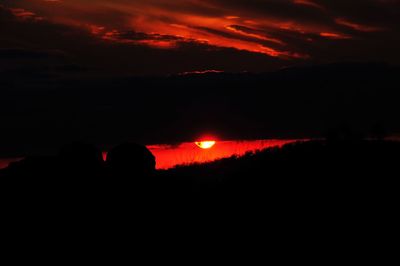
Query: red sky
{"points": [[283, 32]]}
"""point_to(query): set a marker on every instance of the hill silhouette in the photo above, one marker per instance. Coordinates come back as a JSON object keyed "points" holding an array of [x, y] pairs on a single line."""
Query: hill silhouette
{"points": [[323, 191], [352, 168]]}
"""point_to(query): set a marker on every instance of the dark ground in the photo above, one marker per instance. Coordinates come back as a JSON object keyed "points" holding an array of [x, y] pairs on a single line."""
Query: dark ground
{"points": [[335, 200], [313, 173]]}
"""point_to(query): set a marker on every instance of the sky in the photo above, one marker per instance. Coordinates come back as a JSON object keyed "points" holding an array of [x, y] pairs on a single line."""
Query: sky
{"points": [[158, 37], [115, 71]]}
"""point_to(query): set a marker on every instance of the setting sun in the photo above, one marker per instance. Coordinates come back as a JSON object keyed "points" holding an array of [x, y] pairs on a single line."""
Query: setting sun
{"points": [[206, 144]]}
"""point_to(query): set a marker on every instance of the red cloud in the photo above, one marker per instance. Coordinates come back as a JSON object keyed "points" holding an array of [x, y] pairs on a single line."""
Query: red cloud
{"points": [[309, 3], [24, 14], [356, 26], [280, 29]]}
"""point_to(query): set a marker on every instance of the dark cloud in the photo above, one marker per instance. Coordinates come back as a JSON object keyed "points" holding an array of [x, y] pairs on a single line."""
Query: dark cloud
{"points": [[293, 103], [14, 53]]}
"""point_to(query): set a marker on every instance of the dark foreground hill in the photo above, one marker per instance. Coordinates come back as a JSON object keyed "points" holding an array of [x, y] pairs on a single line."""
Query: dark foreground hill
{"points": [[318, 196], [332, 170]]}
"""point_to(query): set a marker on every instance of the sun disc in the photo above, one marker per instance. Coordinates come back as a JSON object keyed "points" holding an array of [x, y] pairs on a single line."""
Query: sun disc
{"points": [[205, 144]]}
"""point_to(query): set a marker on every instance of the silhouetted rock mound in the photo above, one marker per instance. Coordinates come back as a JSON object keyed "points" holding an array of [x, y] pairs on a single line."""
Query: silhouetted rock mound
{"points": [[131, 160], [80, 158]]}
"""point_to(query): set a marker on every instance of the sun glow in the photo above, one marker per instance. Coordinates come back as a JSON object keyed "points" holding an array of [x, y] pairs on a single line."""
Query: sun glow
{"points": [[206, 144]]}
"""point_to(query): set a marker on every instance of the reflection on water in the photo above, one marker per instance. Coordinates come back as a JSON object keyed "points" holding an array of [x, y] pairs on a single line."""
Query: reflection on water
{"points": [[168, 156]]}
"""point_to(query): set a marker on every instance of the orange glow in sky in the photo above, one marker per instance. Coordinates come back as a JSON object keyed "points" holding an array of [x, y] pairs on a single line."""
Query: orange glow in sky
{"points": [[169, 156]]}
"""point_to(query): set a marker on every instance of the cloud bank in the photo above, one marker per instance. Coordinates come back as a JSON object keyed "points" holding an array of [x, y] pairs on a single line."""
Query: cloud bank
{"points": [[193, 35]]}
